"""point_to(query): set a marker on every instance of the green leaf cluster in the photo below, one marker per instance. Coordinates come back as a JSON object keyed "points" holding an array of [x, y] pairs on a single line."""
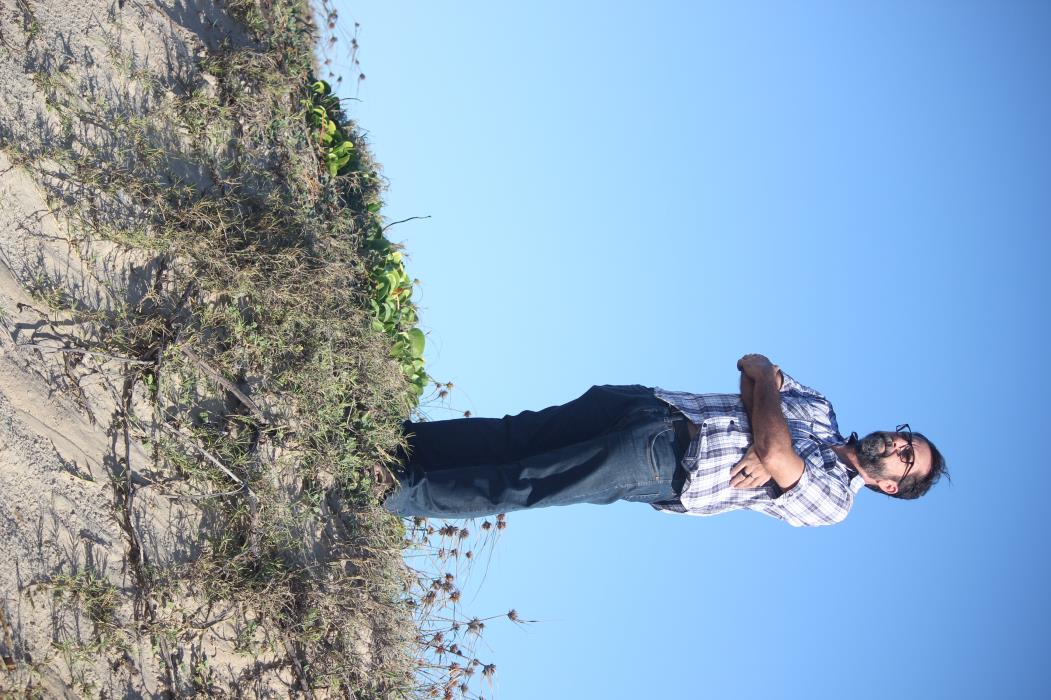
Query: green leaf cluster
{"points": [[324, 115], [393, 312]]}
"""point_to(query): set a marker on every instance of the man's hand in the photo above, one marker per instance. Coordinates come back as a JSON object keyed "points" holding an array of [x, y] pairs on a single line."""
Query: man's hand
{"points": [[755, 366], [749, 473]]}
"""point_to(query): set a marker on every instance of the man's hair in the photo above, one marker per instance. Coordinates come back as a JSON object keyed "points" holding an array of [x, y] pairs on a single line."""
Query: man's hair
{"points": [[913, 486]]}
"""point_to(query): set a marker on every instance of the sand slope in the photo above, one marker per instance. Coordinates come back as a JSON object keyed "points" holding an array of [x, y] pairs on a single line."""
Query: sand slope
{"points": [[64, 456]]}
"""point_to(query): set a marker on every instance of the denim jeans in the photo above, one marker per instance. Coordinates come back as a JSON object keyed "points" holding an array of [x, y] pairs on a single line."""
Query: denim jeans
{"points": [[613, 443]]}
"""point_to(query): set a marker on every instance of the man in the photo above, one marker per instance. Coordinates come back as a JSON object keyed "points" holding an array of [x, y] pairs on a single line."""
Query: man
{"points": [[774, 448]]}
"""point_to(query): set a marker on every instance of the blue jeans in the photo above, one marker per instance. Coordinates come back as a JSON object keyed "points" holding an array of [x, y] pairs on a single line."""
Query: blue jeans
{"points": [[613, 443]]}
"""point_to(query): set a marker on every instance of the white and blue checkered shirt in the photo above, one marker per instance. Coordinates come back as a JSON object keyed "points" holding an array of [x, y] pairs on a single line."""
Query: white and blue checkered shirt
{"points": [[826, 489]]}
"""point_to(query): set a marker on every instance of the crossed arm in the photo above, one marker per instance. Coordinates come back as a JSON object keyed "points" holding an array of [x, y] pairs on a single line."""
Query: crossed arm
{"points": [[771, 454]]}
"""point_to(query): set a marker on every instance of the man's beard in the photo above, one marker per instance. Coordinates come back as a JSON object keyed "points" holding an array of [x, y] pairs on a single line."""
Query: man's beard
{"points": [[872, 450]]}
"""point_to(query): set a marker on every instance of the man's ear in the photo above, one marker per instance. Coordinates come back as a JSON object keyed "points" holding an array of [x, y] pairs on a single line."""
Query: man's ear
{"points": [[887, 486]]}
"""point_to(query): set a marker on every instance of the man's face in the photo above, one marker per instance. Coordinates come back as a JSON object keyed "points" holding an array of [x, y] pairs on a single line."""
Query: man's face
{"points": [[882, 454]]}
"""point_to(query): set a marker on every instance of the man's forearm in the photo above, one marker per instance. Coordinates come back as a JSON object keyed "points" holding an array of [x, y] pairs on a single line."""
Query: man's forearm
{"points": [[773, 442], [747, 392]]}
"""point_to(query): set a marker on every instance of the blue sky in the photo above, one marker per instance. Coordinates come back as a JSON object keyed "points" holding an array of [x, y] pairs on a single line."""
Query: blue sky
{"points": [[630, 193]]}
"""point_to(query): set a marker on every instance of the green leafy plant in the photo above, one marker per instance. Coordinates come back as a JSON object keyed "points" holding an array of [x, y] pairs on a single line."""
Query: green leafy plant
{"points": [[391, 303], [323, 114]]}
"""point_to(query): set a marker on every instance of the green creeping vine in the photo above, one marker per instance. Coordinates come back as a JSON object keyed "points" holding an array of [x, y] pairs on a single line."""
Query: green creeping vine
{"points": [[393, 312]]}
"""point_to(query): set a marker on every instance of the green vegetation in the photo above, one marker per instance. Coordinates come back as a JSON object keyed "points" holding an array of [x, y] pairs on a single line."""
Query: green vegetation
{"points": [[392, 309]]}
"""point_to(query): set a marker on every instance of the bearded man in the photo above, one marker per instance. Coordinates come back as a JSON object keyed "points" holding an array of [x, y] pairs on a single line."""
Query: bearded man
{"points": [[774, 448]]}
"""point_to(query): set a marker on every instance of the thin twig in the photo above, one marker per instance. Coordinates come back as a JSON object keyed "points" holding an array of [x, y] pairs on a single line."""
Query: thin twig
{"points": [[299, 674], [208, 455], [226, 384], [394, 223], [196, 496], [117, 358], [138, 556]]}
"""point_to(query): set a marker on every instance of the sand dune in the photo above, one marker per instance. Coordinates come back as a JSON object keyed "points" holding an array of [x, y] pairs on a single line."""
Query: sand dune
{"points": [[65, 484]]}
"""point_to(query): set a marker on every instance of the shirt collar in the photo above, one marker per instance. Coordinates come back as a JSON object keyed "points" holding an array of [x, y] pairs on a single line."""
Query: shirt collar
{"points": [[856, 479]]}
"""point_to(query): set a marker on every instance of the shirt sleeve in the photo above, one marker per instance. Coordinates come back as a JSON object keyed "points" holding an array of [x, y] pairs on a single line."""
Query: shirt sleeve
{"points": [[819, 498], [803, 403], [790, 384]]}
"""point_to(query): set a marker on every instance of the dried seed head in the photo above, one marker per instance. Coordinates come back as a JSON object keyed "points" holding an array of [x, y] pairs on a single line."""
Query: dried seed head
{"points": [[454, 596], [488, 671], [475, 626], [512, 615], [469, 555], [464, 534], [442, 394], [466, 414], [486, 525]]}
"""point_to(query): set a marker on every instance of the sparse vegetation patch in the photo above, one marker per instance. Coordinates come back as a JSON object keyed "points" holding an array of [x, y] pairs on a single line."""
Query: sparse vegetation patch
{"points": [[242, 332]]}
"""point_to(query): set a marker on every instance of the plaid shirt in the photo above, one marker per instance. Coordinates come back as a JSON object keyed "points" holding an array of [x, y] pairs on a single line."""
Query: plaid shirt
{"points": [[826, 489]]}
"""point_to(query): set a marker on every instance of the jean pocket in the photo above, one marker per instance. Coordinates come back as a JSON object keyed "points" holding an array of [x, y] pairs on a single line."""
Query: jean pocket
{"points": [[667, 432]]}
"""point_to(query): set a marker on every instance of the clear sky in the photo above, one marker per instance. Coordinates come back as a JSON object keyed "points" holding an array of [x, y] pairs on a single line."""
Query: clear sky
{"points": [[626, 192]]}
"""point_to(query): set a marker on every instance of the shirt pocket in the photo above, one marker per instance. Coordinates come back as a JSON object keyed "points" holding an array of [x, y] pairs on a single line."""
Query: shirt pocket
{"points": [[724, 425], [723, 440]]}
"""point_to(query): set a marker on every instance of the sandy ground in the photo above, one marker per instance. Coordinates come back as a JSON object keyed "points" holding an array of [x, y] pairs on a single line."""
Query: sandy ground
{"points": [[61, 449]]}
